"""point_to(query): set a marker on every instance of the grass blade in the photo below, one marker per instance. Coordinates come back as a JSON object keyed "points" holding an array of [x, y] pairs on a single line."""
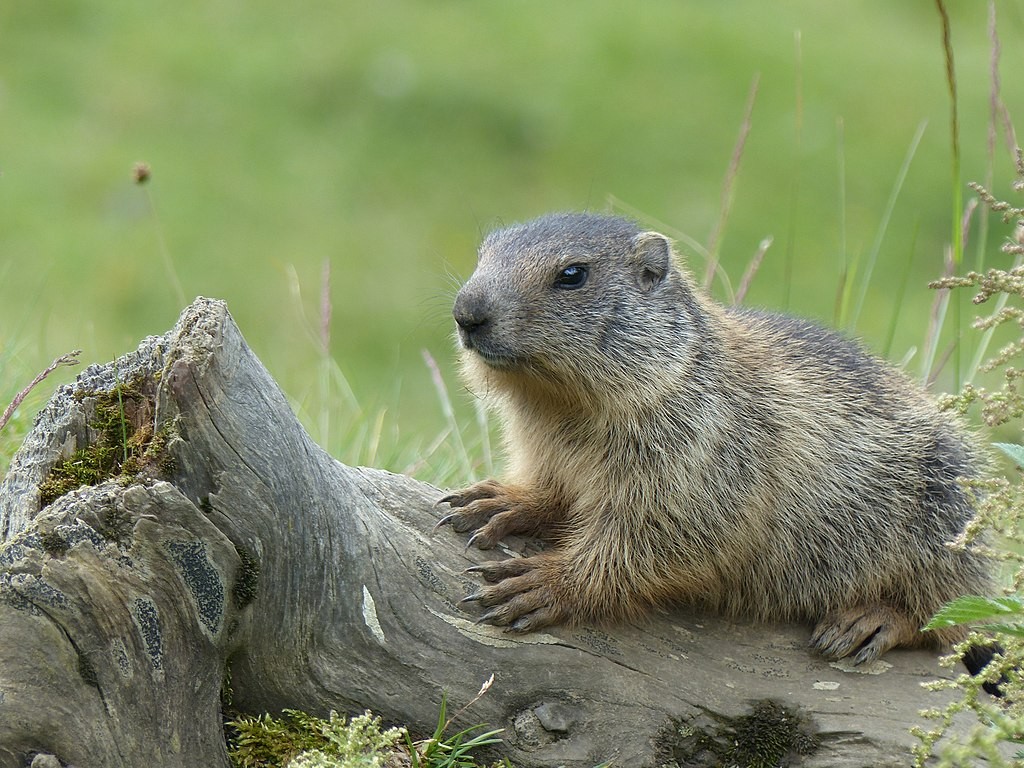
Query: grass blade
{"points": [[883, 226], [729, 185]]}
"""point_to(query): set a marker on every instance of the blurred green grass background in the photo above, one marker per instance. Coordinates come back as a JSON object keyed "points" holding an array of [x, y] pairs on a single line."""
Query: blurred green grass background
{"points": [[384, 138]]}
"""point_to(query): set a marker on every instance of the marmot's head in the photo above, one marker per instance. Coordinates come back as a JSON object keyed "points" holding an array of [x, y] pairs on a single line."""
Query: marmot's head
{"points": [[576, 299]]}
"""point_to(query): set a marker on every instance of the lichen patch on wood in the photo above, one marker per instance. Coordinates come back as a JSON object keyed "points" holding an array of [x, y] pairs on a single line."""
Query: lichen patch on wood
{"points": [[203, 580], [147, 619]]}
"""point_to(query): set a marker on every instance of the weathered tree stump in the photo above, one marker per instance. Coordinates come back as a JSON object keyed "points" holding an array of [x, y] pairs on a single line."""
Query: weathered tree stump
{"points": [[231, 545]]}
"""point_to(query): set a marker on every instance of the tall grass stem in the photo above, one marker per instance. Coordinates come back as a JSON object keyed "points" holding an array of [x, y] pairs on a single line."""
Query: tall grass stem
{"points": [[956, 237], [729, 185], [794, 190], [846, 281], [883, 226], [142, 178], [449, 412], [71, 358], [901, 290]]}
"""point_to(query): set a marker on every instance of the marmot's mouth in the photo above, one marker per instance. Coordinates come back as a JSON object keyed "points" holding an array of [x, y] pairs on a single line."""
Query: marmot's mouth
{"points": [[491, 357], [494, 355], [496, 360]]}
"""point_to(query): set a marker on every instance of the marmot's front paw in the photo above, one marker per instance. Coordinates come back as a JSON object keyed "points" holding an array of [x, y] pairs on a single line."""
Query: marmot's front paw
{"points": [[492, 510], [522, 598]]}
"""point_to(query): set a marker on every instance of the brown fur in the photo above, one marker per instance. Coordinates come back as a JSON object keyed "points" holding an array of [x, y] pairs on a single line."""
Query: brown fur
{"points": [[677, 450]]}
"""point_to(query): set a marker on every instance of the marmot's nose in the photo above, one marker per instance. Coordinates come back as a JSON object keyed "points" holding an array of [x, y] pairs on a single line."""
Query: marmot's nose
{"points": [[470, 313]]}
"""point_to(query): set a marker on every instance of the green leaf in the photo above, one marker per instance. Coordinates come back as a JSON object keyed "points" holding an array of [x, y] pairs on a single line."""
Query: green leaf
{"points": [[972, 609], [1014, 451], [1014, 630]]}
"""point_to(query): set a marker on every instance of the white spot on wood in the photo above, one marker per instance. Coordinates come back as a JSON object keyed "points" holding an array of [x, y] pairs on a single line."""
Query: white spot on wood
{"points": [[683, 631], [496, 637], [370, 617], [876, 667], [826, 685]]}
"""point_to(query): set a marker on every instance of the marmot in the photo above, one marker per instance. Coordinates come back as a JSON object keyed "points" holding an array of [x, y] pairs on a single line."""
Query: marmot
{"points": [[680, 451]]}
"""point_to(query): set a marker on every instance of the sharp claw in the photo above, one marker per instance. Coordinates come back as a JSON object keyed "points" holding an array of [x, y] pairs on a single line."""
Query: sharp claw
{"points": [[469, 543], [476, 569], [488, 618], [443, 521], [471, 598], [865, 654], [519, 625]]}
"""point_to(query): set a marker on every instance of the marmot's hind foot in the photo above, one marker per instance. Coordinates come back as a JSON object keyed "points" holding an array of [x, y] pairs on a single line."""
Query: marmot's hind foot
{"points": [[864, 632]]}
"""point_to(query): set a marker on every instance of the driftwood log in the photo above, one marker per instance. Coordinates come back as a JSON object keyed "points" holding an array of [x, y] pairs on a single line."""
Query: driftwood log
{"points": [[230, 547]]}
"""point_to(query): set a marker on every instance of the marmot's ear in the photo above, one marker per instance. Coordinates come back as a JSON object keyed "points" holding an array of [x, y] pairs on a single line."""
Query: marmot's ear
{"points": [[651, 258]]}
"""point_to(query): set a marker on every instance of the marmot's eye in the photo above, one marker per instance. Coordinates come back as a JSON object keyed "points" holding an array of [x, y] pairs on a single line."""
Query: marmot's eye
{"points": [[573, 276]]}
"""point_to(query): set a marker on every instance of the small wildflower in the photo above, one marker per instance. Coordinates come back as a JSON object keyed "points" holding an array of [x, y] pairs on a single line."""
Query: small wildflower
{"points": [[998, 503]]}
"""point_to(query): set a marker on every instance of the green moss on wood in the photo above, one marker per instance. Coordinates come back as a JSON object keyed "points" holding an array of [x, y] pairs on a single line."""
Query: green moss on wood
{"points": [[770, 735], [124, 447], [247, 579], [115, 524], [87, 671], [54, 544]]}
